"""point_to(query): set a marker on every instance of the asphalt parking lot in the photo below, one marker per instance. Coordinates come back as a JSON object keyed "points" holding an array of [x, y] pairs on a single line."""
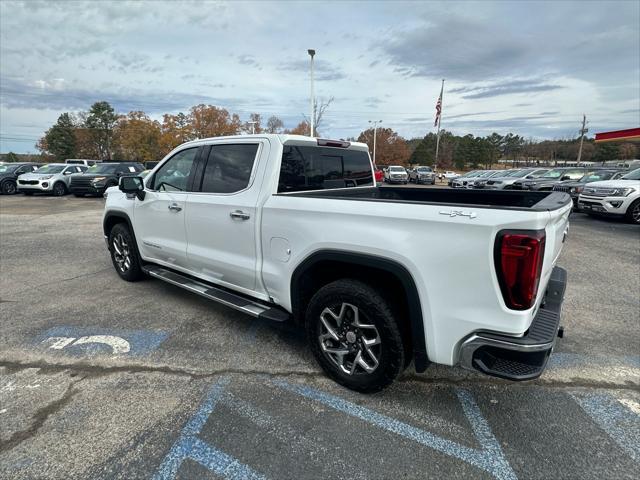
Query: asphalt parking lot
{"points": [[100, 378]]}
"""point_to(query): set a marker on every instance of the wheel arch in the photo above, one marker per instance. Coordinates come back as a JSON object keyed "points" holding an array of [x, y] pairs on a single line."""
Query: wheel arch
{"points": [[325, 266], [111, 219]]}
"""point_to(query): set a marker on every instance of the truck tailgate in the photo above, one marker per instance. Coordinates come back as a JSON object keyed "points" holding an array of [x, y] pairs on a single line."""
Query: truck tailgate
{"points": [[556, 231]]}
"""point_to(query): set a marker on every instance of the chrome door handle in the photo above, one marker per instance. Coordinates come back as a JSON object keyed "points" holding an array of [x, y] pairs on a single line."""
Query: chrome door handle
{"points": [[174, 207], [240, 215]]}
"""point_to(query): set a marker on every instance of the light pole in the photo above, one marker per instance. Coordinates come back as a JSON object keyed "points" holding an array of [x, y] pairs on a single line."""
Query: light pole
{"points": [[375, 130], [253, 127], [311, 53]]}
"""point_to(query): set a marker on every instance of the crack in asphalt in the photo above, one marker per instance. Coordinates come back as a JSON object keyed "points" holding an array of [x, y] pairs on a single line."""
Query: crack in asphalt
{"points": [[40, 417], [95, 371], [87, 274]]}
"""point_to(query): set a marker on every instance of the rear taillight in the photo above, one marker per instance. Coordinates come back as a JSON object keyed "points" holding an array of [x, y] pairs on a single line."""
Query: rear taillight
{"points": [[518, 259]]}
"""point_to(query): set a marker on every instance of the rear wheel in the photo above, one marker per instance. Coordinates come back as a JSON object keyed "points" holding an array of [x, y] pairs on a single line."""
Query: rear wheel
{"points": [[633, 212], [124, 253], [353, 334], [9, 187], [59, 189]]}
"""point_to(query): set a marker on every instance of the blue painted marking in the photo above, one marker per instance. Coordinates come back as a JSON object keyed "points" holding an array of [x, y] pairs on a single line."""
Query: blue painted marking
{"points": [[141, 342], [620, 423], [489, 458], [188, 446]]}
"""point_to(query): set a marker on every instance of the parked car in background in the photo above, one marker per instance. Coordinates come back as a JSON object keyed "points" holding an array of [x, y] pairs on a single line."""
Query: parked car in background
{"points": [[51, 178], [468, 180], [617, 198], [9, 173], [81, 161], [102, 176], [505, 180], [546, 182], [448, 175], [396, 174], [452, 178], [422, 175], [575, 187]]}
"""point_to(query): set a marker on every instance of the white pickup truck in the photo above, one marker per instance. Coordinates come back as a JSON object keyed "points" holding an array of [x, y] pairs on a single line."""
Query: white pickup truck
{"points": [[292, 228]]}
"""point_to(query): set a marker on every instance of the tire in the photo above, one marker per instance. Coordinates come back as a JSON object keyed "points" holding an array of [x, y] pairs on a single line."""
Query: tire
{"points": [[59, 189], [9, 187], [124, 253], [363, 305], [633, 212]]}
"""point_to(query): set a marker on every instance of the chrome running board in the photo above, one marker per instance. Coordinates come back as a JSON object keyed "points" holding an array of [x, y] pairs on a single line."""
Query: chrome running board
{"points": [[230, 299]]}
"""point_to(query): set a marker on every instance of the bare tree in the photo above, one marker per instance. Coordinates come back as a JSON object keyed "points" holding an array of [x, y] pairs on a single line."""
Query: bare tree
{"points": [[274, 125], [319, 107]]}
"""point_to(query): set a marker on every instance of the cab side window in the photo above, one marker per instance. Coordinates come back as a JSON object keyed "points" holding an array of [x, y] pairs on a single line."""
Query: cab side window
{"points": [[229, 167], [173, 176]]}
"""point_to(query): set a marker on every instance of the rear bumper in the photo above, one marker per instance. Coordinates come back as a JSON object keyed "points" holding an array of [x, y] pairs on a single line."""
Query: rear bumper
{"points": [[519, 358]]}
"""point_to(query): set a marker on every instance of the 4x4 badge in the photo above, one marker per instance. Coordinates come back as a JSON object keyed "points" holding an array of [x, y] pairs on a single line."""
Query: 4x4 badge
{"points": [[459, 213]]}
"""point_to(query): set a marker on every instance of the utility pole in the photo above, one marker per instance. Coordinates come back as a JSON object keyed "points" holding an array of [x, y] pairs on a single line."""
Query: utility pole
{"points": [[583, 130], [375, 130], [312, 53], [438, 122], [253, 127]]}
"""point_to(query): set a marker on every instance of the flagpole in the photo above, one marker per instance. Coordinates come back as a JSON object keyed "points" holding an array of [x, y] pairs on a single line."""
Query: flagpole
{"points": [[439, 122]]}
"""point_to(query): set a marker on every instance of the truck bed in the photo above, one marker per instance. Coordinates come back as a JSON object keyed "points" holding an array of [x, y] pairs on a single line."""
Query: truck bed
{"points": [[508, 199]]}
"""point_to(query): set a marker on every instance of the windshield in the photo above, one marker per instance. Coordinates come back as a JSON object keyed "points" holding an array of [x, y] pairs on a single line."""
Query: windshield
{"points": [[424, 169], [102, 168], [635, 175], [596, 176], [555, 173], [7, 168], [469, 174], [396, 169], [51, 168], [486, 174], [520, 173]]}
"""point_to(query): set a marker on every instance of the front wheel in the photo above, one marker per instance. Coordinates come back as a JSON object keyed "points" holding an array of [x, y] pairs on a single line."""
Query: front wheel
{"points": [[59, 189], [633, 212], [9, 188], [124, 253], [353, 334]]}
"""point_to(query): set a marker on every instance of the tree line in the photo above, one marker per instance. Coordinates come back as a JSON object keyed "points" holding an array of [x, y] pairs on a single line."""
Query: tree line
{"points": [[100, 133]]}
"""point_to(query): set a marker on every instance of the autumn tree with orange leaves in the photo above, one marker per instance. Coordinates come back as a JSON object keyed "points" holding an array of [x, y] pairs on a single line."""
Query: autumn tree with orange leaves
{"points": [[391, 148]]}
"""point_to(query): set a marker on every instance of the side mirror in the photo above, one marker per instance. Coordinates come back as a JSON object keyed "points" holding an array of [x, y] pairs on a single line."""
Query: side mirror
{"points": [[133, 185], [68, 172]]}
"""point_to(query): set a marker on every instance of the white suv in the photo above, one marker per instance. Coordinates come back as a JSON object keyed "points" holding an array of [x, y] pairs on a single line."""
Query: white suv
{"points": [[620, 197]]}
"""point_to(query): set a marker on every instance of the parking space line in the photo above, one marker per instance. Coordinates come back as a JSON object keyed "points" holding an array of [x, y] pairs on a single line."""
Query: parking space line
{"points": [[489, 458], [189, 446], [618, 421], [284, 433]]}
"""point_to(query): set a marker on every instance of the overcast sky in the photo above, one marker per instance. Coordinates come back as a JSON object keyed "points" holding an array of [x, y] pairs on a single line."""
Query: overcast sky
{"points": [[531, 67]]}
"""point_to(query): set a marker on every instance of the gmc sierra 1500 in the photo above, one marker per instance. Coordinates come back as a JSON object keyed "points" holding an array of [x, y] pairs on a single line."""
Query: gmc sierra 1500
{"points": [[287, 227]]}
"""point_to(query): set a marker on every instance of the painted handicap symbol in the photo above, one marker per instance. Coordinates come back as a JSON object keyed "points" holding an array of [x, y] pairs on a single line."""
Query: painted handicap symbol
{"points": [[90, 341], [117, 344]]}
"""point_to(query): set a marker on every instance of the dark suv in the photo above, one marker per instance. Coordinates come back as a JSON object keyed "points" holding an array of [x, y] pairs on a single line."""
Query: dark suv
{"points": [[101, 176], [551, 178], [9, 175]]}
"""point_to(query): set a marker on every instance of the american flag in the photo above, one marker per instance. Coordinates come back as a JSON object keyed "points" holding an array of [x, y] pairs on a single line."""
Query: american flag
{"points": [[438, 110]]}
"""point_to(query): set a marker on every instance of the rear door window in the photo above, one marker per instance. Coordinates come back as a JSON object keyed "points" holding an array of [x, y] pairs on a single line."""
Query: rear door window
{"points": [[228, 168], [318, 168]]}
